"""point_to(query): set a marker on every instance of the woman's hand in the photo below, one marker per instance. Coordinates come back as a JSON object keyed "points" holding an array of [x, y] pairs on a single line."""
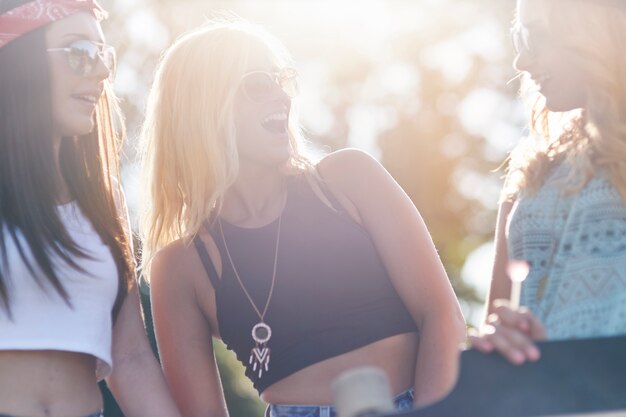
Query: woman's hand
{"points": [[511, 333]]}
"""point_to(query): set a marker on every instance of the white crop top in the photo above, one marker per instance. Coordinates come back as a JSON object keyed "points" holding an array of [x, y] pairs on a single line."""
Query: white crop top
{"points": [[42, 320]]}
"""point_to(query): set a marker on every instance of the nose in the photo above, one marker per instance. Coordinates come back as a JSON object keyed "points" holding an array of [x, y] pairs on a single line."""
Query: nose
{"points": [[522, 61], [101, 71], [279, 95]]}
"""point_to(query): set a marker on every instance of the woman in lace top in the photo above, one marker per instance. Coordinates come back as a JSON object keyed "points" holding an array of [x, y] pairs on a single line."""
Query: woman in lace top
{"points": [[563, 208]]}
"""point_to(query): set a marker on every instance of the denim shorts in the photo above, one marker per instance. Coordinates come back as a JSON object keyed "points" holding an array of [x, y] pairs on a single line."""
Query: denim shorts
{"points": [[403, 401], [96, 414]]}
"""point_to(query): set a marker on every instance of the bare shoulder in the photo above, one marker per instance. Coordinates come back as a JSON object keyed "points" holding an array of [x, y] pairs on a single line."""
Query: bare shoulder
{"points": [[345, 174], [347, 166], [355, 174], [179, 283], [173, 262], [504, 212], [180, 262], [505, 207], [174, 254]]}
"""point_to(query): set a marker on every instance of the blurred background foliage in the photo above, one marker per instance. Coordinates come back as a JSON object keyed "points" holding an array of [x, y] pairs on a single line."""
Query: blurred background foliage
{"points": [[420, 84]]}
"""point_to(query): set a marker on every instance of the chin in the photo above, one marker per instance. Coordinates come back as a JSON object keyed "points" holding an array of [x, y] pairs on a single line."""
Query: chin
{"points": [[560, 107], [79, 129], [283, 157], [561, 103]]}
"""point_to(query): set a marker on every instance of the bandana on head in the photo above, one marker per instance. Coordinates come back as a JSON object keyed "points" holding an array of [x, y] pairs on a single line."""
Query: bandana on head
{"points": [[32, 15]]}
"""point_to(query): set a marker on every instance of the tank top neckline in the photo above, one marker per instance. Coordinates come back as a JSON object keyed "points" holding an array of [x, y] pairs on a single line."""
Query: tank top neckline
{"points": [[271, 224]]}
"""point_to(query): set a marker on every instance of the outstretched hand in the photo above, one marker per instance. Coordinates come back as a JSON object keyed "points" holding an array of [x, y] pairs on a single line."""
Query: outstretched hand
{"points": [[510, 332]]}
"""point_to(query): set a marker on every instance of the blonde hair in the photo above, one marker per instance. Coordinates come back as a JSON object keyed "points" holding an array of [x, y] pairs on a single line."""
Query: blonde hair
{"points": [[188, 139], [592, 139]]}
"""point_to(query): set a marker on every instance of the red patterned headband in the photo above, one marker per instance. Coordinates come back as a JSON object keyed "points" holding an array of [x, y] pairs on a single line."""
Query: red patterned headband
{"points": [[34, 14]]}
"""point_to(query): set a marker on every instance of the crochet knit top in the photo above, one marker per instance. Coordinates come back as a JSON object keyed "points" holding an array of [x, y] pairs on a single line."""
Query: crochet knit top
{"points": [[576, 248]]}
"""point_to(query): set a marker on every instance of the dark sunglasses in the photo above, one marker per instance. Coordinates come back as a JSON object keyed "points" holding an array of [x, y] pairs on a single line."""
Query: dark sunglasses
{"points": [[260, 86], [83, 57]]}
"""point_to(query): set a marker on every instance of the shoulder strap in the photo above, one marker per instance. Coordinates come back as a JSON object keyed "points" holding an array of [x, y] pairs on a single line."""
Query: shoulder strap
{"points": [[206, 261], [317, 181]]}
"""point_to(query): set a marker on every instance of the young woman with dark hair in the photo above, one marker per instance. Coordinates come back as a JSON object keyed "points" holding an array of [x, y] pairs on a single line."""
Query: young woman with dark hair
{"points": [[69, 309]]}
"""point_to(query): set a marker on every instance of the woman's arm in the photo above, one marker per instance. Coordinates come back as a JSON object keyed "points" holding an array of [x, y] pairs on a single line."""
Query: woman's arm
{"points": [[507, 331], [137, 381], [500, 287], [368, 191], [184, 334]]}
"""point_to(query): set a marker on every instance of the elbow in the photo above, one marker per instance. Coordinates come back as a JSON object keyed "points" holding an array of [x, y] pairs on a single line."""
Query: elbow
{"points": [[454, 324], [448, 324], [458, 324], [461, 329]]}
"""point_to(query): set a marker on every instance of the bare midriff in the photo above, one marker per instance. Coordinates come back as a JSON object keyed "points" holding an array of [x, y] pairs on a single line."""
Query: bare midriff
{"points": [[395, 355], [48, 383]]}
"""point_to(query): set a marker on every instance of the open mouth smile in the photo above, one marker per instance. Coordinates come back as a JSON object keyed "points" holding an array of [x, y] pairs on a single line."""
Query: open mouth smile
{"points": [[276, 122]]}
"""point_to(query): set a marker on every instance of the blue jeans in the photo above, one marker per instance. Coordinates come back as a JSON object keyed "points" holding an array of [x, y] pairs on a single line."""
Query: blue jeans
{"points": [[403, 401]]}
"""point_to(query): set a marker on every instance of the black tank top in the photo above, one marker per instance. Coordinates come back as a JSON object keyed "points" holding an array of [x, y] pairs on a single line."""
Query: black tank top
{"points": [[332, 293]]}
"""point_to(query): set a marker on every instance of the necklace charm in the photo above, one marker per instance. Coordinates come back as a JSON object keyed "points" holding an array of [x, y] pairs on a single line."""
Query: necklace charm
{"points": [[261, 332], [260, 354]]}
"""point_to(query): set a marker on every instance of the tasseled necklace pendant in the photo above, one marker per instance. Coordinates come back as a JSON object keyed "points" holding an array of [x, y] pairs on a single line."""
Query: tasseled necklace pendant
{"points": [[260, 354], [261, 332]]}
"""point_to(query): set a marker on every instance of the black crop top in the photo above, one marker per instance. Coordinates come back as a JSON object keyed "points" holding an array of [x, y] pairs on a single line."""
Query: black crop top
{"points": [[332, 293]]}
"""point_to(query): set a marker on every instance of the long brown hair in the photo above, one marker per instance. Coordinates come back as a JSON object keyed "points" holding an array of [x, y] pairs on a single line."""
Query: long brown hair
{"points": [[28, 189]]}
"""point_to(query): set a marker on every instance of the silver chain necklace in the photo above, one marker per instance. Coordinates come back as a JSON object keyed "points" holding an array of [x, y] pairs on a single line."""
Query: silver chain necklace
{"points": [[261, 332]]}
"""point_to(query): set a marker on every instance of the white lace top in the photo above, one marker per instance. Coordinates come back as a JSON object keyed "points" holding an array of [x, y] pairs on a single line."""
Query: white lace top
{"points": [[576, 247]]}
